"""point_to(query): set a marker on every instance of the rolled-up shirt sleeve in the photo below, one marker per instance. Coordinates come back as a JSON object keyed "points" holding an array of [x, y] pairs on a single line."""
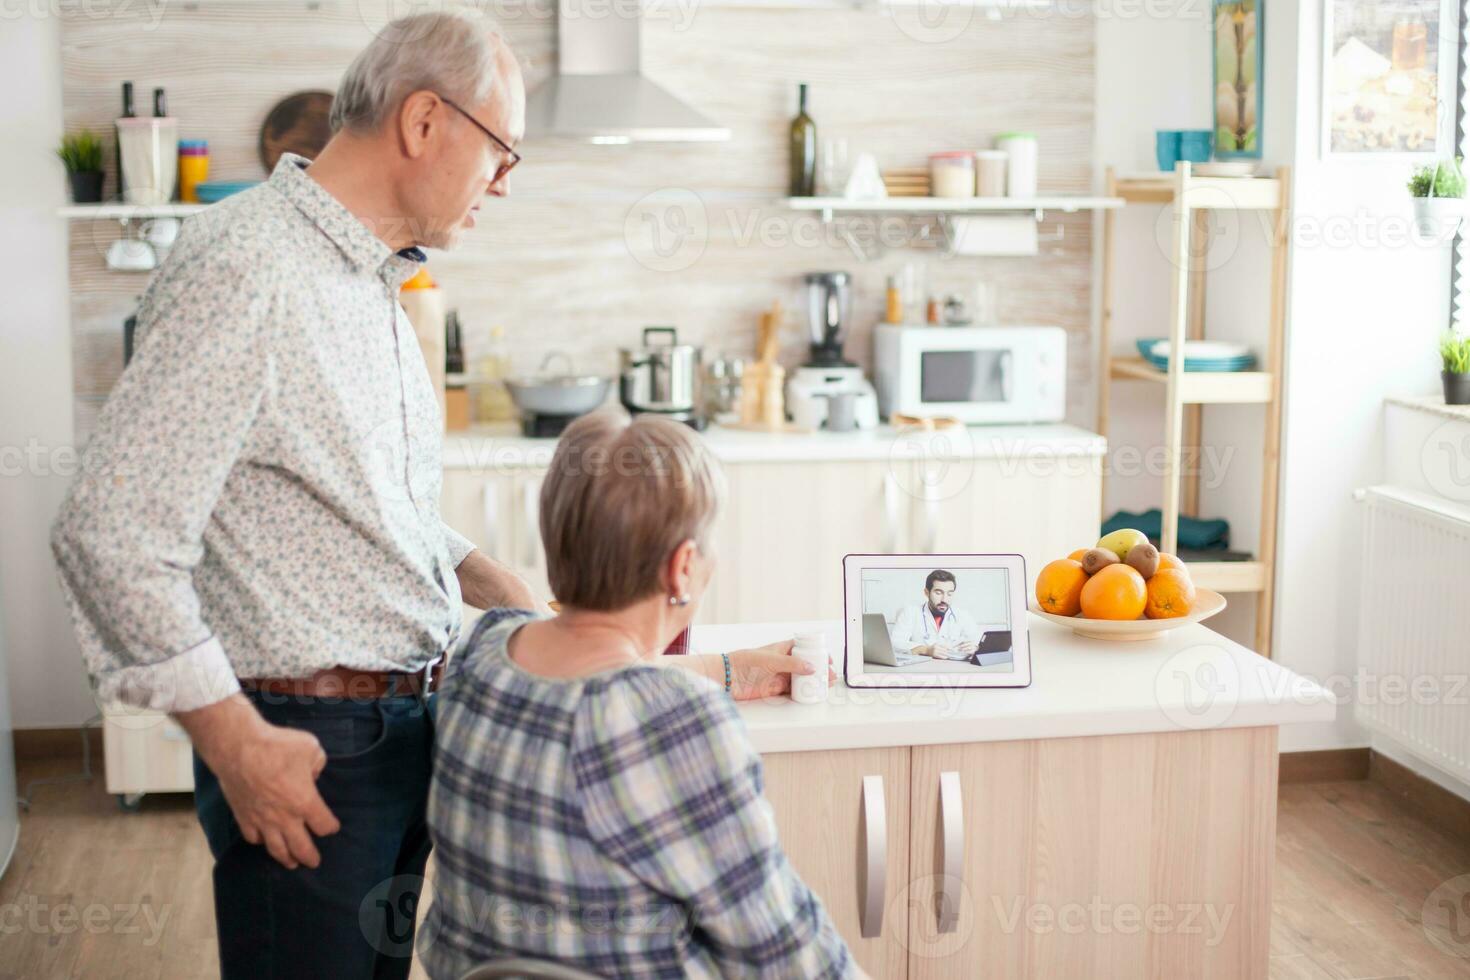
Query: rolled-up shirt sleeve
{"points": [[130, 532], [459, 546]]}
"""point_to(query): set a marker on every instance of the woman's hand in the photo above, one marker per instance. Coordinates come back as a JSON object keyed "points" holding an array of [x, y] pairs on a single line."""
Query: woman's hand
{"points": [[765, 672], [762, 672]]}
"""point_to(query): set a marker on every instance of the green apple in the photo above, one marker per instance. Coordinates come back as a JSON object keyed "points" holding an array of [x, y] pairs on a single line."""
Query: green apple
{"points": [[1122, 541]]}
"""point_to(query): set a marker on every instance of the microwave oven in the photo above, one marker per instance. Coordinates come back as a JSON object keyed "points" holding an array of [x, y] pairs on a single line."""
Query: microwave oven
{"points": [[978, 375]]}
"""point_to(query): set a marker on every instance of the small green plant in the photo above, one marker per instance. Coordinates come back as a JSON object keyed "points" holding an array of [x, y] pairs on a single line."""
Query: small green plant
{"points": [[1454, 350], [81, 152], [1443, 177]]}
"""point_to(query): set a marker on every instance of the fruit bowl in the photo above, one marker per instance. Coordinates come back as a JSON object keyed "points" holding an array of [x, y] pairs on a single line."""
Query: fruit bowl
{"points": [[1206, 604]]}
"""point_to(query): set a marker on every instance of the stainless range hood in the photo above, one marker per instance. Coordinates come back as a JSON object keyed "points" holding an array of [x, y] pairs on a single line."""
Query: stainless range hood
{"points": [[599, 93]]}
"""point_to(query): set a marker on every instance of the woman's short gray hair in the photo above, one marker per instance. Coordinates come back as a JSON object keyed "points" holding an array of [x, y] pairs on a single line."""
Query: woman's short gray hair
{"points": [[446, 53], [619, 498]]}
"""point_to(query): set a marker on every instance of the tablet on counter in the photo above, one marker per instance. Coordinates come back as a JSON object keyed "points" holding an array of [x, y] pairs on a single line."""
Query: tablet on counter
{"points": [[935, 621]]}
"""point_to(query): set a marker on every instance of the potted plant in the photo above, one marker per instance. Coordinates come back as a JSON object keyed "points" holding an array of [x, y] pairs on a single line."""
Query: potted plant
{"points": [[1454, 352], [1438, 192], [81, 153]]}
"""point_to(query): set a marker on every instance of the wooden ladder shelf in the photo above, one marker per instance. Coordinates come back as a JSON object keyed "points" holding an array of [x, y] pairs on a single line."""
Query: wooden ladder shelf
{"points": [[1184, 393]]}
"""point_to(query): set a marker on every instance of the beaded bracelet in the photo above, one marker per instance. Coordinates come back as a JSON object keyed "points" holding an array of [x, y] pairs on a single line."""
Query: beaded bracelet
{"points": [[726, 658]]}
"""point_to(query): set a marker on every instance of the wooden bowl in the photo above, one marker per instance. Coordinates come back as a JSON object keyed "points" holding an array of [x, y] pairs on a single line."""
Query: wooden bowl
{"points": [[1207, 603]]}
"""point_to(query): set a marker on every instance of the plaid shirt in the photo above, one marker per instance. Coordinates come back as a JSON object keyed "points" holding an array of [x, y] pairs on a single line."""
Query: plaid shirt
{"points": [[613, 822]]}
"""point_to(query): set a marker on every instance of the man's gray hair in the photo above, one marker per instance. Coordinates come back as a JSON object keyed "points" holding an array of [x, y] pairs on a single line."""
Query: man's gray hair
{"points": [[446, 53]]}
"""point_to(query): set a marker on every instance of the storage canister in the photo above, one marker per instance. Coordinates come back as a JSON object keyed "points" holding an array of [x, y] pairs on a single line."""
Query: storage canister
{"points": [[990, 173], [1021, 153], [952, 174]]}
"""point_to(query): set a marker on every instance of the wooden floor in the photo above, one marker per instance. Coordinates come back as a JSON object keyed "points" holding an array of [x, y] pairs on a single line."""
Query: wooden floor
{"points": [[94, 893]]}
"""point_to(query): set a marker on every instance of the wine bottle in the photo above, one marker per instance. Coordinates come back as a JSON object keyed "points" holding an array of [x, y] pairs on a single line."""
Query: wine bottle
{"points": [[127, 113], [803, 151], [160, 107]]}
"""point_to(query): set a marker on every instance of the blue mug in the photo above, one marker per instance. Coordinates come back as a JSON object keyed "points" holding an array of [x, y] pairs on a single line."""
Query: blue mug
{"points": [[1195, 145], [1166, 148]]}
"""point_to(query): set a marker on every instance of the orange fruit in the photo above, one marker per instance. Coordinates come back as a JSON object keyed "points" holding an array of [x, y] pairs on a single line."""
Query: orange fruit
{"points": [[1059, 587], [1170, 594], [1115, 592], [1167, 560], [1077, 555]]}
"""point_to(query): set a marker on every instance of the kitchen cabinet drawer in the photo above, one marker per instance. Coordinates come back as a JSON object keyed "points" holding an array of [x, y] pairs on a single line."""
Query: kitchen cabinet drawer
{"points": [[145, 752], [843, 821], [1112, 856]]}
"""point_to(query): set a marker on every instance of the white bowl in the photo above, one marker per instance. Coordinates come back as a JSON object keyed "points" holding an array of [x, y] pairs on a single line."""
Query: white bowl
{"points": [[1207, 603]]}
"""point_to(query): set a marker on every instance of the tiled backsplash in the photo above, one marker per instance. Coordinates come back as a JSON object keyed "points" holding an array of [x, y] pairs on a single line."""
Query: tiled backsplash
{"points": [[597, 241]]}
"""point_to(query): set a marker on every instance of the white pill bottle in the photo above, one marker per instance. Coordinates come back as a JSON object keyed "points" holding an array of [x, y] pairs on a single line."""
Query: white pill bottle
{"points": [[810, 688]]}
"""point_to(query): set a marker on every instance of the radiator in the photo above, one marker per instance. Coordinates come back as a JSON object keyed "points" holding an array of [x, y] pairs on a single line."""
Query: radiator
{"points": [[1414, 626]]}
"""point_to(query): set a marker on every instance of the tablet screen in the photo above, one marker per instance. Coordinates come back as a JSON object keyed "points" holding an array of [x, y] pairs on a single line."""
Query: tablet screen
{"points": [[942, 620], [952, 620]]}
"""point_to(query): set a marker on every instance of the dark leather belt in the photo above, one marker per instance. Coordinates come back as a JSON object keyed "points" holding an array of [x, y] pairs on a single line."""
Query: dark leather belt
{"points": [[345, 682]]}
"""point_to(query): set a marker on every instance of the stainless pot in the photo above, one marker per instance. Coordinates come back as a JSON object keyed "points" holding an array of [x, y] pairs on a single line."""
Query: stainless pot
{"points": [[662, 377]]}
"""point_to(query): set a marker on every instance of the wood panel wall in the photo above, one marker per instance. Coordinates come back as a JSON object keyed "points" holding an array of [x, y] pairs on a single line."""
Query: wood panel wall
{"points": [[597, 241]]}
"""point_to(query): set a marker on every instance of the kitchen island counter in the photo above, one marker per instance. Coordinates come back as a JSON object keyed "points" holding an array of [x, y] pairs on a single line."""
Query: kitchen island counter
{"points": [[1190, 679], [1115, 819]]}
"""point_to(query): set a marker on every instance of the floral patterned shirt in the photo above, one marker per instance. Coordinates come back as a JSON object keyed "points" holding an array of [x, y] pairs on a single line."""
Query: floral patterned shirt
{"points": [[261, 497]]}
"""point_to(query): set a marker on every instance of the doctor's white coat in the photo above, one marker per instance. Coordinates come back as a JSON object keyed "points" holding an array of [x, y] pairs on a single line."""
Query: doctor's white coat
{"points": [[914, 627]]}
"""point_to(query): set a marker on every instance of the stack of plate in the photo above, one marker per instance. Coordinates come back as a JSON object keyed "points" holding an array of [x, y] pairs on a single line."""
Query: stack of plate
{"points": [[1199, 355]]}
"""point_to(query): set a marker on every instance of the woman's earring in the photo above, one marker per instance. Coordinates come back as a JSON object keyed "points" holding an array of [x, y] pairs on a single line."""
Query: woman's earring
{"points": [[680, 600]]}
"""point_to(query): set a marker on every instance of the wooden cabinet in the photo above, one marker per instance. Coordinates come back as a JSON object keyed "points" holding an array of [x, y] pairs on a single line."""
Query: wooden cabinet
{"points": [[786, 525], [1040, 508], [842, 817], [499, 511], [780, 539], [1112, 856]]}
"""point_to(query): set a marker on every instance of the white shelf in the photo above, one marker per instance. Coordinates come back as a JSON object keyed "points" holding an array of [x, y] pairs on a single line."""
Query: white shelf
{"points": [[953, 205], [119, 211]]}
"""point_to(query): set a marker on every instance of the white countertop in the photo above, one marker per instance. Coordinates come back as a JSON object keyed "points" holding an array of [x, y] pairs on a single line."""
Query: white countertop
{"points": [[503, 447], [1191, 679]]}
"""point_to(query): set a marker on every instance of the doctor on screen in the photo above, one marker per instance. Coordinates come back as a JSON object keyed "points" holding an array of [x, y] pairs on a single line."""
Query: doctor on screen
{"points": [[933, 627]]}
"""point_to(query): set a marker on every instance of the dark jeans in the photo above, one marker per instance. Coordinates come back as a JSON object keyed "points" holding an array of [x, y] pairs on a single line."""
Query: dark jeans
{"points": [[353, 916]]}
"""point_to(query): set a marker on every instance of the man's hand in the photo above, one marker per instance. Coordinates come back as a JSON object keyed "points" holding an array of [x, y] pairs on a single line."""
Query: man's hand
{"points": [[268, 775], [968, 647], [922, 650], [486, 584]]}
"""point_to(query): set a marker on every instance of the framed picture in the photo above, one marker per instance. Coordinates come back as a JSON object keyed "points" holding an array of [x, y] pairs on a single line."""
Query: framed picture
{"points": [[1238, 83], [1388, 77]]}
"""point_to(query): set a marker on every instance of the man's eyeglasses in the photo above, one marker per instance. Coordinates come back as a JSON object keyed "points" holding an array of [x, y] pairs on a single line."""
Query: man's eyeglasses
{"points": [[515, 157]]}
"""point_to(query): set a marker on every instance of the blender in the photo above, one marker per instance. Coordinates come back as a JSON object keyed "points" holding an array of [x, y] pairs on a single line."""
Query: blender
{"points": [[830, 391]]}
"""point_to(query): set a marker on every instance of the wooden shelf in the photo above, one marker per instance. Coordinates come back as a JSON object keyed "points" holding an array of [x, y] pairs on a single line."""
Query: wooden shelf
{"points": [[953, 205], [1229, 576], [118, 211], [1200, 387], [1208, 193]]}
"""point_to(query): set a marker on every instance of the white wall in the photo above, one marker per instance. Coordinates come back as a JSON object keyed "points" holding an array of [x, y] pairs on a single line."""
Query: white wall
{"points": [[47, 684], [1365, 312], [1362, 318]]}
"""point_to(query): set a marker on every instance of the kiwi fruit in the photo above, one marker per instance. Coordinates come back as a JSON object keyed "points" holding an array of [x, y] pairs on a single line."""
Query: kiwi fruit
{"points": [[1145, 559], [1097, 559]]}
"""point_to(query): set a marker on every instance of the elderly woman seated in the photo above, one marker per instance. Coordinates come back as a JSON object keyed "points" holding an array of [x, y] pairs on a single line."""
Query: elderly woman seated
{"points": [[590, 806]]}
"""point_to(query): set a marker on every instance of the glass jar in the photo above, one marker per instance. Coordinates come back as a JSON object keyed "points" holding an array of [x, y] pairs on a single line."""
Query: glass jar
{"points": [[952, 174]]}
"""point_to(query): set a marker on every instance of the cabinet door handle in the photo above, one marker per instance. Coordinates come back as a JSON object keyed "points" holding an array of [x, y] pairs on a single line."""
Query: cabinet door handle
{"points": [[531, 538], [890, 513], [873, 887], [490, 518], [952, 853]]}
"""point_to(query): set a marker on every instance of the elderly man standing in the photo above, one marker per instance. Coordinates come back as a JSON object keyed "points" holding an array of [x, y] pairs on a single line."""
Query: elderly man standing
{"points": [[260, 552]]}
